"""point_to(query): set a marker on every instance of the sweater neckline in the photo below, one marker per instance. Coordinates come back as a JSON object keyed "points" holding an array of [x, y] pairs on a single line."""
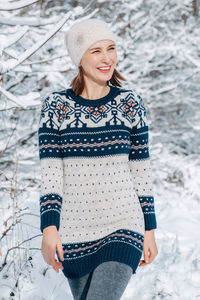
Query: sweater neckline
{"points": [[103, 100]]}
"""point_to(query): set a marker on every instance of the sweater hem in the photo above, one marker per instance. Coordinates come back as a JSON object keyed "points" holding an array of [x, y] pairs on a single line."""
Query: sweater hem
{"points": [[124, 246]]}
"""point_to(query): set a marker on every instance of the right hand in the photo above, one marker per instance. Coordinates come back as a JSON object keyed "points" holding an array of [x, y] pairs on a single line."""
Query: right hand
{"points": [[50, 242]]}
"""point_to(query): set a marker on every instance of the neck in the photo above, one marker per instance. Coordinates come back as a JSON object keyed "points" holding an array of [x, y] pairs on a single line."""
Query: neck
{"points": [[95, 91]]}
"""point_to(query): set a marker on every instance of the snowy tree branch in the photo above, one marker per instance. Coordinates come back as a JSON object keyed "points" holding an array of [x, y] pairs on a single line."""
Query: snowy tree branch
{"points": [[12, 63], [15, 38], [10, 96], [30, 21], [17, 5]]}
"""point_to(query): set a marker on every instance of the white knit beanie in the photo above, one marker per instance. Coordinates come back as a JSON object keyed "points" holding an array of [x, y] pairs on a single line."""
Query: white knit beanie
{"points": [[80, 36]]}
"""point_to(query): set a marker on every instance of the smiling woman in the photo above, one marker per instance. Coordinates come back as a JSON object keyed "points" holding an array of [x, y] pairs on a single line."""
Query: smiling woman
{"points": [[97, 65], [95, 56], [78, 82], [96, 204]]}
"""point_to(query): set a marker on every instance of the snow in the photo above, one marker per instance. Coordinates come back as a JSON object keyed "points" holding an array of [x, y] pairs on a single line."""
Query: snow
{"points": [[158, 54], [11, 5]]}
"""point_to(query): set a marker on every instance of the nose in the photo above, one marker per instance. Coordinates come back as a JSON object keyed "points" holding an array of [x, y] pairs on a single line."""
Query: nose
{"points": [[105, 56]]}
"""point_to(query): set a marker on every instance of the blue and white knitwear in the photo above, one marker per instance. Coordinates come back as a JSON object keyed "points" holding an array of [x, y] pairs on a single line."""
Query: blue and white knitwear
{"points": [[96, 184]]}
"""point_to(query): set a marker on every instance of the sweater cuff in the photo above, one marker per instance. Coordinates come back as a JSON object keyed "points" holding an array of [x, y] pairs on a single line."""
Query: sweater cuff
{"points": [[150, 221], [48, 219]]}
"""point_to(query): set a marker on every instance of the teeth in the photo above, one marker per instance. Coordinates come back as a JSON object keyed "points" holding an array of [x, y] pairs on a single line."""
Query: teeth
{"points": [[105, 68]]}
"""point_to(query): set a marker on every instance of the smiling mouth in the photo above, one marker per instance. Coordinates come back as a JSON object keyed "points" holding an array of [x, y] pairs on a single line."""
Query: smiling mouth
{"points": [[104, 69]]}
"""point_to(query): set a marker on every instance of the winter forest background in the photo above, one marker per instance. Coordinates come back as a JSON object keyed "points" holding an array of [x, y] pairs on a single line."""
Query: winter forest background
{"points": [[159, 55]]}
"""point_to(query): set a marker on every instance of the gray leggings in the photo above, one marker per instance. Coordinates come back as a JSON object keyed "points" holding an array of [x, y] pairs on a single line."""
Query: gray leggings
{"points": [[107, 281]]}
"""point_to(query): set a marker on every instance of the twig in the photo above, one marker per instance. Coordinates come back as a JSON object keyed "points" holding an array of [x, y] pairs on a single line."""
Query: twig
{"points": [[8, 229], [16, 247], [43, 60], [21, 140]]}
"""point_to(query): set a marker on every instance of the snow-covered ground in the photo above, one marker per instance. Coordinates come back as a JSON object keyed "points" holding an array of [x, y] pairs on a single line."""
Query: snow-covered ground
{"points": [[158, 54]]}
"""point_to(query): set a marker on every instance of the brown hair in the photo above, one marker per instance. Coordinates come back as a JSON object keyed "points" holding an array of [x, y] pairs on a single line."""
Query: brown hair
{"points": [[77, 83]]}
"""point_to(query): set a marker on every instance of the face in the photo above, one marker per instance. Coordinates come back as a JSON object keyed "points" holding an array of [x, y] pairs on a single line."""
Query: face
{"points": [[101, 54]]}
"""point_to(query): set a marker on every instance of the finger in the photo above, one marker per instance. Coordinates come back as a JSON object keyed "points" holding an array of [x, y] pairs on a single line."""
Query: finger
{"points": [[142, 263], [151, 256], [60, 251], [146, 256], [58, 265]]}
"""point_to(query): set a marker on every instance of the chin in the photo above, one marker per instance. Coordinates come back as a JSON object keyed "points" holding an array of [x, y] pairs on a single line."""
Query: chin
{"points": [[105, 75]]}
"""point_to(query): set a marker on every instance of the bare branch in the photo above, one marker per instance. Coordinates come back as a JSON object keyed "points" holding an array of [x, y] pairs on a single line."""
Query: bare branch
{"points": [[8, 229], [17, 247], [29, 239], [43, 60], [21, 141]]}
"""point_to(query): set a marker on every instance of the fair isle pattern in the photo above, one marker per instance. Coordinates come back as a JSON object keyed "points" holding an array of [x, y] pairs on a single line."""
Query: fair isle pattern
{"points": [[51, 203], [78, 256], [82, 249], [111, 112], [96, 179]]}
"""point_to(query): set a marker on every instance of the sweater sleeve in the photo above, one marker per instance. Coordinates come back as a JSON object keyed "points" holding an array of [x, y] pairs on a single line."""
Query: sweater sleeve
{"points": [[139, 162], [51, 161]]}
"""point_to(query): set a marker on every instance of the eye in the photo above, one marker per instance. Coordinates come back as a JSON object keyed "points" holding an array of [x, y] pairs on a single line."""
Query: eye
{"points": [[112, 48]]}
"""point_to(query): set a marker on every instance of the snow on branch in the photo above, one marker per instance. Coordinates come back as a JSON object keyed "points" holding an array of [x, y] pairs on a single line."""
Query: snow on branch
{"points": [[32, 98], [10, 64], [29, 21], [13, 39], [17, 4]]}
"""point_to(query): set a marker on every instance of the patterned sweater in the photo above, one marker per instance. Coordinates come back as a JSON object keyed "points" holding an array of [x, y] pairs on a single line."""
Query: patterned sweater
{"points": [[96, 183]]}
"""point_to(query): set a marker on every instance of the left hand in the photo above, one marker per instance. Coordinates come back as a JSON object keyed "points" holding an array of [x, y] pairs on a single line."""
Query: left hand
{"points": [[150, 249]]}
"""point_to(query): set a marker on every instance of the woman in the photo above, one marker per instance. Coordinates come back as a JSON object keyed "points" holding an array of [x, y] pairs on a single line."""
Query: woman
{"points": [[96, 203]]}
